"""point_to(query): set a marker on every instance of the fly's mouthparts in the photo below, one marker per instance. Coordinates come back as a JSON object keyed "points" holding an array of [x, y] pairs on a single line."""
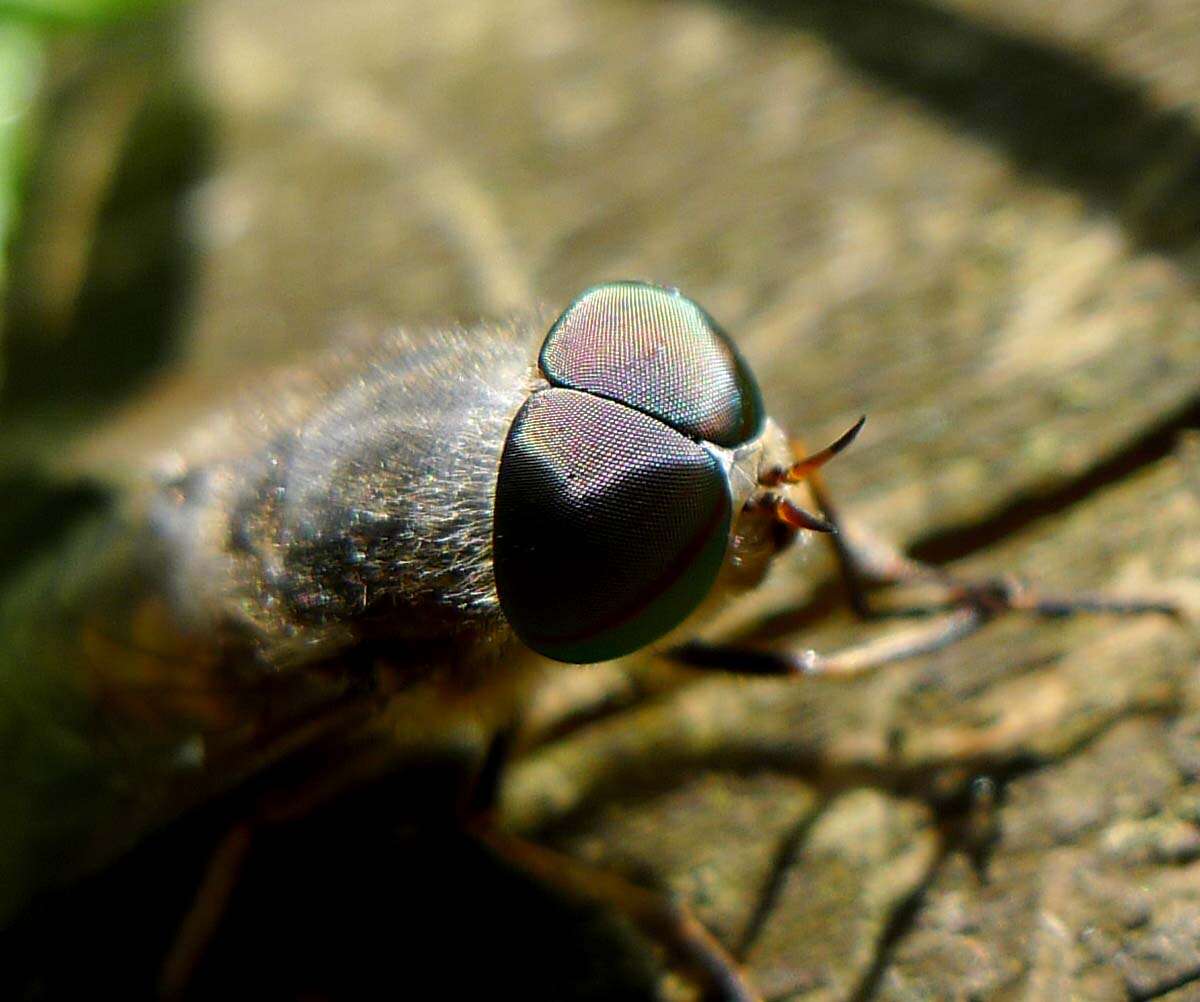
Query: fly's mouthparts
{"points": [[793, 515]]}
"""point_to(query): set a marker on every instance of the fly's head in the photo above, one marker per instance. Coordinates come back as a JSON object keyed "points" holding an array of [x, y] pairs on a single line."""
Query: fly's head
{"points": [[643, 473]]}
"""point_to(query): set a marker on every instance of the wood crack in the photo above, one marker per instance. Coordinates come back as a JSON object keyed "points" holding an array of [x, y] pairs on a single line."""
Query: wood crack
{"points": [[1154, 444]]}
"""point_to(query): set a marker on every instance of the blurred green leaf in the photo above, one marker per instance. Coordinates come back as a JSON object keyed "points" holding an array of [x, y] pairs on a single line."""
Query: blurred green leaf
{"points": [[72, 12], [20, 72]]}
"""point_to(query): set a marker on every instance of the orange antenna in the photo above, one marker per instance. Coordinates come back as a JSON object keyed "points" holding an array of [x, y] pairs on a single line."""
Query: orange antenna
{"points": [[802, 469]]}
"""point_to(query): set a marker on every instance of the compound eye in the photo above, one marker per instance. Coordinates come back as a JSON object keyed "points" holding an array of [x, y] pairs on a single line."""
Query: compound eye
{"points": [[610, 527], [657, 351]]}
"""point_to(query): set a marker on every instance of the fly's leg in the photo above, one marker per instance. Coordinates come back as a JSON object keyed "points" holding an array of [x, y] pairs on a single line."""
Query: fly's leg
{"points": [[477, 805], [208, 908], [866, 565], [228, 860], [909, 642], [666, 922], [966, 608]]}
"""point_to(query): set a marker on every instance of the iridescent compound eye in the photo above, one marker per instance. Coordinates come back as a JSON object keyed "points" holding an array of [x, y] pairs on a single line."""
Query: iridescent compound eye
{"points": [[610, 526], [612, 516], [658, 352]]}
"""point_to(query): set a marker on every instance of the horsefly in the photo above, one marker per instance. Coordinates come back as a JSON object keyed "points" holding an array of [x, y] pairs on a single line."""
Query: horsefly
{"points": [[420, 503]]}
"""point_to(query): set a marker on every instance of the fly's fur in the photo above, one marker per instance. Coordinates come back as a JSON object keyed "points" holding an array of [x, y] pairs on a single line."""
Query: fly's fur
{"points": [[351, 498]]}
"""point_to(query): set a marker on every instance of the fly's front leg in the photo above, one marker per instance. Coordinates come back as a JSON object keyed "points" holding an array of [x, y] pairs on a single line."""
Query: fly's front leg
{"points": [[868, 565], [901, 644]]}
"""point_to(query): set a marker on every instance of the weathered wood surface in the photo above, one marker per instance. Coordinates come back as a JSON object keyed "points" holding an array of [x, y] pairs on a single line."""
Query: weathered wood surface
{"points": [[977, 222], [979, 226]]}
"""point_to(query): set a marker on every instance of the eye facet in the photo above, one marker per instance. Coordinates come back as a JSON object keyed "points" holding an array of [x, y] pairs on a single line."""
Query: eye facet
{"points": [[657, 351], [610, 527]]}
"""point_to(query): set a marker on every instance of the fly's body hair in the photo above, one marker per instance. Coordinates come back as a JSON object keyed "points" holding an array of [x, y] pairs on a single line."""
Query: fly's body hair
{"points": [[333, 496]]}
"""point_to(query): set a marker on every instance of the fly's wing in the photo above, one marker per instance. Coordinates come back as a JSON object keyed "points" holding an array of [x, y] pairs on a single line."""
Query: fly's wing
{"points": [[116, 714]]}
